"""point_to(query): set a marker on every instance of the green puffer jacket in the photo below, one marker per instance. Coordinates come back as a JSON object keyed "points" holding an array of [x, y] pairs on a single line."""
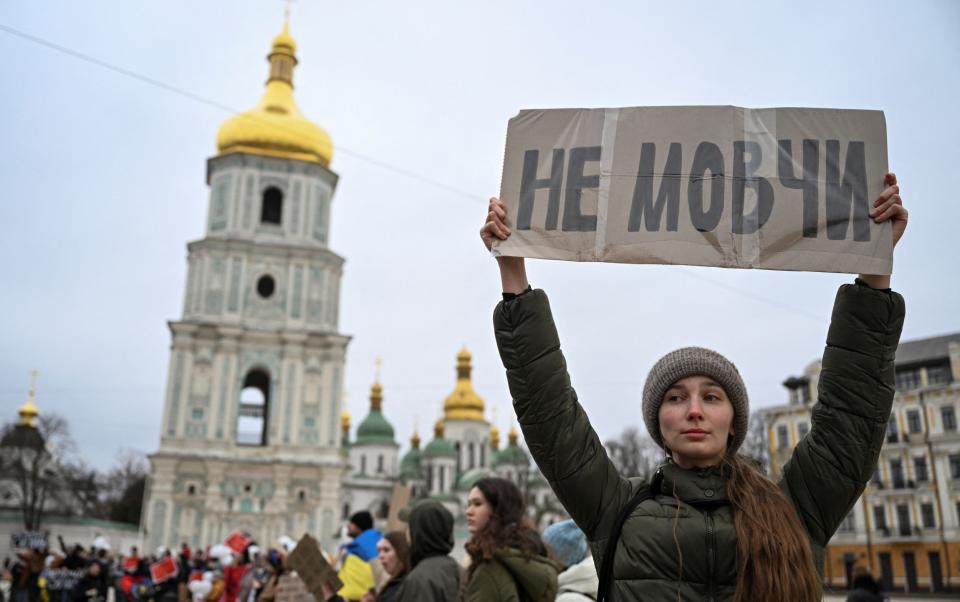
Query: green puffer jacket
{"points": [[824, 478], [512, 578]]}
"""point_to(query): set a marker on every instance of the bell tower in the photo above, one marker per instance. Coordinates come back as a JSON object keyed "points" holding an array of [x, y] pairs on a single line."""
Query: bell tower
{"points": [[250, 433]]}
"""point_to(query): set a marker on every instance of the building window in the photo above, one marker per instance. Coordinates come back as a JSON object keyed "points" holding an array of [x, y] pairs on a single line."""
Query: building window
{"points": [[896, 474], [903, 519], [949, 416], [271, 212], [892, 436], [380, 463], [908, 379], [253, 417], [266, 286], [802, 429], [363, 465], [192, 490], [346, 511], [879, 517], [849, 523], [920, 469], [470, 455], [442, 480], [926, 512], [955, 466], [783, 441], [913, 421], [939, 374]]}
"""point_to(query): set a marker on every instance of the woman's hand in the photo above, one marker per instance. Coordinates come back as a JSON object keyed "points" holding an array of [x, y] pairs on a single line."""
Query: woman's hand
{"points": [[513, 271], [888, 207]]}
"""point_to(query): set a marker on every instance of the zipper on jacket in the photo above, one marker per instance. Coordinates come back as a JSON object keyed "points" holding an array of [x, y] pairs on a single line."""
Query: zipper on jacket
{"points": [[711, 556]]}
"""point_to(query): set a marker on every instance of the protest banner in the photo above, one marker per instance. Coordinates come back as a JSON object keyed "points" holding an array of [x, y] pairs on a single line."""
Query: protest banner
{"points": [[131, 563], [163, 569], [28, 540], [778, 188], [237, 541], [398, 501], [312, 567]]}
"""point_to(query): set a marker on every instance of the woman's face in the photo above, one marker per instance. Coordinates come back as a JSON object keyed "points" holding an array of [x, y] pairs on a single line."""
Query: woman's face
{"points": [[696, 420], [478, 511], [388, 556]]}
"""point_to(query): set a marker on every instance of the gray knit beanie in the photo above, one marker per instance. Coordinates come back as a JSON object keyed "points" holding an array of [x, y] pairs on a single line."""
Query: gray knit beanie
{"points": [[695, 361]]}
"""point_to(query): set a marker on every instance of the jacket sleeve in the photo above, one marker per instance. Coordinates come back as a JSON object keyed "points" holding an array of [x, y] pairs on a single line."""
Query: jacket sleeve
{"points": [[555, 427], [831, 465]]}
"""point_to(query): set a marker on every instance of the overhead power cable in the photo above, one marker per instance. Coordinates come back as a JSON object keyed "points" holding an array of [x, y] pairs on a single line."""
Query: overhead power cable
{"points": [[357, 155], [228, 109]]}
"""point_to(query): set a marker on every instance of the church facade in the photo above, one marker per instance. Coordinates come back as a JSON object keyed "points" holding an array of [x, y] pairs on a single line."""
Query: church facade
{"points": [[250, 436]]}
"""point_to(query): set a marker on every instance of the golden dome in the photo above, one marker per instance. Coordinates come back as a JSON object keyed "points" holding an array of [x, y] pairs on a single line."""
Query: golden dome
{"points": [[438, 429], [345, 420], [494, 437], [29, 410], [512, 435], [415, 440], [463, 403], [276, 127]]}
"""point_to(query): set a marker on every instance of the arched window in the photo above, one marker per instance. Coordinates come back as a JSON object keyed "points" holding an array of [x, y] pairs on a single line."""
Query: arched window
{"points": [[271, 211], [254, 405], [379, 463], [456, 446], [470, 453], [363, 465]]}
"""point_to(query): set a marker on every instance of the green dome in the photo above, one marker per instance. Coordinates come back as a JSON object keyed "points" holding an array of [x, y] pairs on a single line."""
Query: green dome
{"points": [[439, 448], [410, 464], [374, 429], [512, 455], [470, 477]]}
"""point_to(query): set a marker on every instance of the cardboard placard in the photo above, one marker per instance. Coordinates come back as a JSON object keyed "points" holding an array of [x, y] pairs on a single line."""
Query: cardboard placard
{"points": [[778, 188], [312, 567], [398, 501]]}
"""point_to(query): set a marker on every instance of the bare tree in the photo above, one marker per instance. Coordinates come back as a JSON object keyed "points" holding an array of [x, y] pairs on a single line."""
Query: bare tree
{"points": [[28, 467], [123, 487], [756, 445], [634, 453]]}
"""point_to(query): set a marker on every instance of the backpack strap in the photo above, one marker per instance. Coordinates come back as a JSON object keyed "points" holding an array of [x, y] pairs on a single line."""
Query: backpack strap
{"points": [[644, 493]]}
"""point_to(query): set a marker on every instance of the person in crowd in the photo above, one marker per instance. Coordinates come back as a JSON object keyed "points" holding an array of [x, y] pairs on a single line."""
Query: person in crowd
{"points": [[233, 574], [567, 545], [25, 581], [507, 557], [90, 588], [709, 525], [865, 587], [394, 554], [434, 576], [359, 565]]}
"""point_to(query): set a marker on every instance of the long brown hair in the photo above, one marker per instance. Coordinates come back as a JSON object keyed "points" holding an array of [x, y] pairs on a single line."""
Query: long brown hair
{"points": [[774, 559], [508, 526], [398, 540]]}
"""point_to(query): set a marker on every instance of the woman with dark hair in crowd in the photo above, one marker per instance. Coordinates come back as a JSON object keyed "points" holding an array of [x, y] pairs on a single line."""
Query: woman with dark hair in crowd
{"points": [[507, 557], [394, 553]]}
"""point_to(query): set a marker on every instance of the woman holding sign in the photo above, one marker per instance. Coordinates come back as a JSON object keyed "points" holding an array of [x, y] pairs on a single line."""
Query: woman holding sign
{"points": [[709, 526]]}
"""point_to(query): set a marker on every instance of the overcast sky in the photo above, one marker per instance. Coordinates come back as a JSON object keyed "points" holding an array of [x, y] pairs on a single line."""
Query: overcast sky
{"points": [[103, 184]]}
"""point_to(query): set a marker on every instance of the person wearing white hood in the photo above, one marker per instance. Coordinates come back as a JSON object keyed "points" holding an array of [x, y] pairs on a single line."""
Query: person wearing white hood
{"points": [[568, 546]]}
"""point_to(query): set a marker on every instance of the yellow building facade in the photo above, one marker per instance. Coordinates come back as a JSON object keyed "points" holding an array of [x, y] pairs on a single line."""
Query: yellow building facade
{"points": [[905, 528]]}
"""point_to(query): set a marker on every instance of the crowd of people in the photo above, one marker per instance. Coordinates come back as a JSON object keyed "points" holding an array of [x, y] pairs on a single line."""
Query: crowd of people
{"points": [[506, 559]]}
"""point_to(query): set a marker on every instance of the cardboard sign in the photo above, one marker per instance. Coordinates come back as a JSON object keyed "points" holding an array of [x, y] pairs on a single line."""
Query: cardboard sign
{"points": [[164, 569], [237, 541], [398, 501], [290, 588], [312, 567], [130, 563], [28, 540], [780, 188]]}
